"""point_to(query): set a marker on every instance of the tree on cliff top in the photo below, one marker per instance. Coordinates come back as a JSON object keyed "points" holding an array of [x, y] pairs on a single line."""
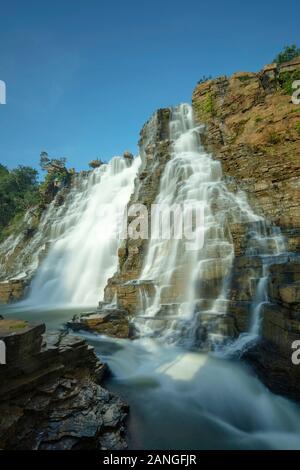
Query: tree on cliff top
{"points": [[52, 165], [287, 54]]}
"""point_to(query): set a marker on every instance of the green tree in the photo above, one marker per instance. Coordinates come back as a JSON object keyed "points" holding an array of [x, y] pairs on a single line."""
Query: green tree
{"points": [[18, 192], [287, 54]]}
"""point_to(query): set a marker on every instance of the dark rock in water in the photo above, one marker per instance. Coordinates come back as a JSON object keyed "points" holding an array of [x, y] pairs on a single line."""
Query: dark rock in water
{"points": [[107, 320], [50, 393]]}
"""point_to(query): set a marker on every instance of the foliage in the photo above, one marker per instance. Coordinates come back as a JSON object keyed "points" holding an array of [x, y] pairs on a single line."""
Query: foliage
{"points": [[204, 79], [244, 78], [287, 54], [18, 192], [286, 80], [298, 127]]}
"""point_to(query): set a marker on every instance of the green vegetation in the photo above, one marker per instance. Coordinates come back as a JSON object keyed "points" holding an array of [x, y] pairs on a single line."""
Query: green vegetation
{"points": [[244, 78], [286, 80], [258, 119], [204, 79], [19, 325], [18, 192], [298, 127], [287, 54]]}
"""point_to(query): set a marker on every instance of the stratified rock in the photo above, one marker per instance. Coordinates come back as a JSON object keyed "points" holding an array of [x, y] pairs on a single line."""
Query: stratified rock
{"points": [[12, 290], [272, 356], [107, 320], [251, 127], [50, 393]]}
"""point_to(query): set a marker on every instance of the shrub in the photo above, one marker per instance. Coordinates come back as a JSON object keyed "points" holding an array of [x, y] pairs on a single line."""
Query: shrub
{"points": [[287, 54], [204, 79], [286, 80]]}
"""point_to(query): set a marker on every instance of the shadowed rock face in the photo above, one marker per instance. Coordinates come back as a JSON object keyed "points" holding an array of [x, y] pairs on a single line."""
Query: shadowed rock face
{"points": [[50, 393]]}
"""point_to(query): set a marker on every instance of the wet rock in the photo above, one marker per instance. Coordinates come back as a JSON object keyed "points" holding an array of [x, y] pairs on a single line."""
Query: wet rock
{"points": [[107, 320], [50, 394], [272, 355]]}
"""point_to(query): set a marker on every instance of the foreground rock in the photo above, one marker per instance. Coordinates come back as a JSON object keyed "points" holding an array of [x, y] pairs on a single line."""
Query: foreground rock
{"points": [[106, 320], [50, 393]]}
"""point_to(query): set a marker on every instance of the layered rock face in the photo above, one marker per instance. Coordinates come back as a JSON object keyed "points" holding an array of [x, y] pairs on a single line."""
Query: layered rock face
{"points": [[154, 150], [252, 127], [50, 393], [272, 356]]}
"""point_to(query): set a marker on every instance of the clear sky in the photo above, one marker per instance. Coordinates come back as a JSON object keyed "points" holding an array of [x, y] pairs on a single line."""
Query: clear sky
{"points": [[83, 76]]}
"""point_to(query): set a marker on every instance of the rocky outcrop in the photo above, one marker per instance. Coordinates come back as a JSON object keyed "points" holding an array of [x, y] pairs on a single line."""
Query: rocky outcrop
{"points": [[154, 150], [107, 320], [50, 393], [252, 126]]}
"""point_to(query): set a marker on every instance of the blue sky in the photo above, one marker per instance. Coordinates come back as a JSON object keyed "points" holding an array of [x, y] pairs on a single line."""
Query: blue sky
{"points": [[83, 76]]}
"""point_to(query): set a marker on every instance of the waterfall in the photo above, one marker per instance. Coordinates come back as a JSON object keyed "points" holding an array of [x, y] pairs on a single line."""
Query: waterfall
{"points": [[267, 242], [191, 286], [84, 237]]}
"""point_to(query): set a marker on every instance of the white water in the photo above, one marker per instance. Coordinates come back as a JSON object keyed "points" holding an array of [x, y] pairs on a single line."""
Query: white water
{"points": [[178, 399], [193, 283], [83, 253]]}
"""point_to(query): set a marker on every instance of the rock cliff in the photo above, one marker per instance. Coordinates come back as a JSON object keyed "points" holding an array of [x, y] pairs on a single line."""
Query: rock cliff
{"points": [[253, 127]]}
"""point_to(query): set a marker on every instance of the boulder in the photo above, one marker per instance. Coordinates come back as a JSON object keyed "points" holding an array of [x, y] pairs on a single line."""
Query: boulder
{"points": [[107, 320]]}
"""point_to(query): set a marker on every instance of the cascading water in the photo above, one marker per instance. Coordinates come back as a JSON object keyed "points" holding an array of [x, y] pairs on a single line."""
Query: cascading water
{"points": [[84, 235], [178, 399], [191, 285]]}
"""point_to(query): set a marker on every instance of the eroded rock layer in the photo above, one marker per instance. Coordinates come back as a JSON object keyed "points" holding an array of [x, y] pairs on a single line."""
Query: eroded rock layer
{"points": [[50, 393]]}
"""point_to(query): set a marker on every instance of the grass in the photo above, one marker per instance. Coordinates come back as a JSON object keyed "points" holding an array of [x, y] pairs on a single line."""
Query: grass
{"points": [[18, 326], [298, 128]]}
